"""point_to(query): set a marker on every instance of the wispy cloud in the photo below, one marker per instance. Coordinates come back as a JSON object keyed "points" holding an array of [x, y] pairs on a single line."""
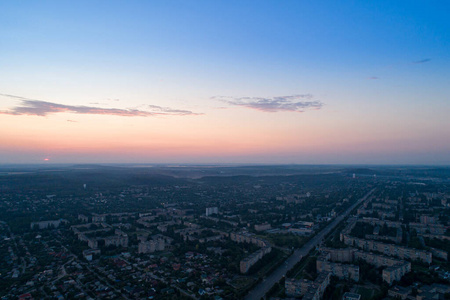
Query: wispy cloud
{"points": [[422, 61], [43, 108], [168, 110], [13, 96], [373, 78], [293, 103]]}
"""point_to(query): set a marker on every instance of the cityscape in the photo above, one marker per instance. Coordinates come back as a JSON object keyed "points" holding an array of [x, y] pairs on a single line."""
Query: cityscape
{"points": [[272, 232]]}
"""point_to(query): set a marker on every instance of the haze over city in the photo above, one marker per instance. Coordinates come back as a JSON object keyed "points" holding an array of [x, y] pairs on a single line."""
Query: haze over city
{"points": [[304, 82]]}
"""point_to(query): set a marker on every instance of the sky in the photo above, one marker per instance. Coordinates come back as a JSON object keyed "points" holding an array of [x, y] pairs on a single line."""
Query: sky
{"points": [[212, 82]]}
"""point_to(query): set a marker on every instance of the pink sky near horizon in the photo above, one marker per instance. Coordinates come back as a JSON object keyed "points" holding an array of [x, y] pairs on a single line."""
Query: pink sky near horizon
{"points": [[113, 139]]}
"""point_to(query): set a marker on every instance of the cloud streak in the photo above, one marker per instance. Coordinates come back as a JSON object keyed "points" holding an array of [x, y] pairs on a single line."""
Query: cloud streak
{"points": [[43, 108], [422, 61], [292, 103]]}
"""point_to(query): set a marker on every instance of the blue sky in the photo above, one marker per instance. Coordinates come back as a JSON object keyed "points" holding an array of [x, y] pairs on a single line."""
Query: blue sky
{"points": [[379, 71]]}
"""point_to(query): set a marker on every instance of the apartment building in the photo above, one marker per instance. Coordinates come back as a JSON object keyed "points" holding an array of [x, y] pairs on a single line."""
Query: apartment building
{"points": [[343, 271], [253, 258], [249, 261], [389, 249], [151, 246], [312, 290]]}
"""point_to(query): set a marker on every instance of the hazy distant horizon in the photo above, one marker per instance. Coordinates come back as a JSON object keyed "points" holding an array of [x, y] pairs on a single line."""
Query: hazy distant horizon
{"points": [[236, 165], [289, 159]]}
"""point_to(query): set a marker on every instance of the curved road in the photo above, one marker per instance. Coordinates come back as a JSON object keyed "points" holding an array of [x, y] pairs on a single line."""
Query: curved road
{"points": [[262, 288]]}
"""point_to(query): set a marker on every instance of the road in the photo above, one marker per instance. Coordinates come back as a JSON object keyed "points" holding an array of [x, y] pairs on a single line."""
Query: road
{"points": [[63, 270], [262, 288]]}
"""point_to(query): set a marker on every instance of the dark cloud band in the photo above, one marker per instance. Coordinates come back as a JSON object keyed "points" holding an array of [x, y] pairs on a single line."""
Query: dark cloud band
{"points": [[43, 108]]}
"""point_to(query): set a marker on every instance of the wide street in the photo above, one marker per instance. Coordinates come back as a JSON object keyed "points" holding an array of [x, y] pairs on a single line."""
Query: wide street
{"points": [[262, 288]]}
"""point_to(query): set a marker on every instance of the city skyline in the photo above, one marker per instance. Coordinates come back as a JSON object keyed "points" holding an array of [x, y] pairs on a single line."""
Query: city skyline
{"points": [[225, 82]]}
